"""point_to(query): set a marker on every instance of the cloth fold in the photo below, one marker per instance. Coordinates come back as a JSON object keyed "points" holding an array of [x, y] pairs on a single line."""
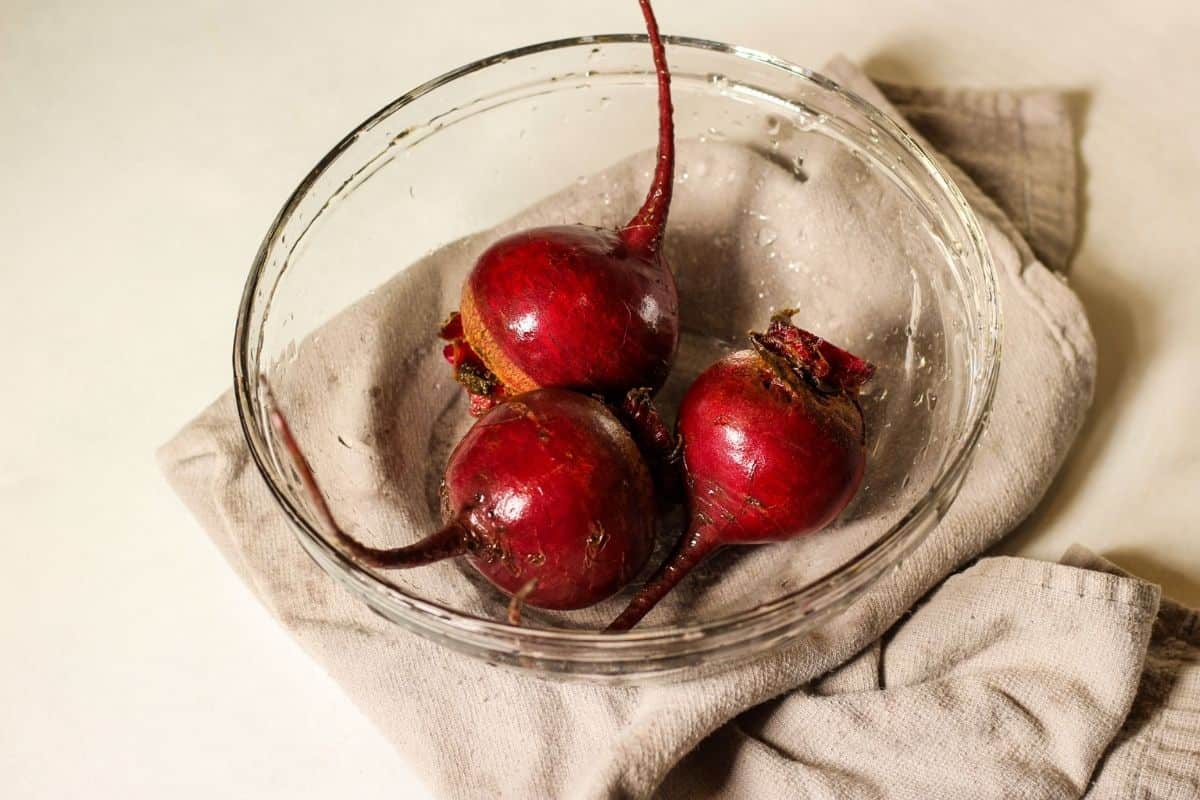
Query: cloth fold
{"points": [[1011, 680], [1004, 676], [1156, 753]]}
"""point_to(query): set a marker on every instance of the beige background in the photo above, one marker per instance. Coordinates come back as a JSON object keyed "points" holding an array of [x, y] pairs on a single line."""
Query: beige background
{"points": [[144, 148]]}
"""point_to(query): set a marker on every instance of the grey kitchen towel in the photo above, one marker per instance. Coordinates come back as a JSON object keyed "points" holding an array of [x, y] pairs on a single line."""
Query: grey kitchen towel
{"points": [[476, 731], [1004, 141], [1013, 679], [1156, 753]]}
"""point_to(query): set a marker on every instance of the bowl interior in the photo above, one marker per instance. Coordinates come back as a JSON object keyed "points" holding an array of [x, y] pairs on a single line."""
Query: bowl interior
{"points": [[789, 194]]}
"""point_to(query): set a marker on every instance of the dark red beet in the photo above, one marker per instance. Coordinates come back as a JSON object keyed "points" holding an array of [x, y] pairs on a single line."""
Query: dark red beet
{"points": [[573, 306], [773, 448], [546, 495]]}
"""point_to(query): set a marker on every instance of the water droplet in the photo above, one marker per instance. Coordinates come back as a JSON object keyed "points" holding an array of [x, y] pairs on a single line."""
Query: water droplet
{"points": [[766, 236], [773, 125], [798, 169], [932, 401], [719, 82]]}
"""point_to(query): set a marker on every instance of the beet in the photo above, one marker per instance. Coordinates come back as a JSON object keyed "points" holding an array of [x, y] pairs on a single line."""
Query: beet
{"points": [[573, 306], [547, 496], [774, 447]]}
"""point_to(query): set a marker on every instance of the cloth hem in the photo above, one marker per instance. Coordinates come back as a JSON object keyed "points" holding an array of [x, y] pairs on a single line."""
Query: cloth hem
{"points": [[1068, 580]]}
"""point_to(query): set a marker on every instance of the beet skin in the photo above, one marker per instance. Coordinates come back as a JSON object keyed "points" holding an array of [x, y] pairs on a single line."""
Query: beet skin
{"points": [[552, 488]]}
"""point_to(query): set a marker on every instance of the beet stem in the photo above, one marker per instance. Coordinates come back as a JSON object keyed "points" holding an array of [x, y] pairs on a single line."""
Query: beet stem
{"points": [[644, 232], [696, 546], [660, 448], [448, 542]]}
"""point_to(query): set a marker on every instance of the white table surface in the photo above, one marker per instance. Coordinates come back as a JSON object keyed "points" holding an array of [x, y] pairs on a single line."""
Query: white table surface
{"points": [[144, 148]]}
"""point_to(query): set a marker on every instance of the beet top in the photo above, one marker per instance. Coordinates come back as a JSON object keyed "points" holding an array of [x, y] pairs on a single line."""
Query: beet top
{"points": [[546, 496], [773, 448]]}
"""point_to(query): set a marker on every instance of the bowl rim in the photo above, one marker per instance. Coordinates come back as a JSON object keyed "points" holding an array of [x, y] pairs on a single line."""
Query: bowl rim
{"points": [[835, 589]]}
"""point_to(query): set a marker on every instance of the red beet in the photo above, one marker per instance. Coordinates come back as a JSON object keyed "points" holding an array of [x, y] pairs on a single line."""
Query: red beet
{"points": [[773, 448], [546, 495], [574, 306]]}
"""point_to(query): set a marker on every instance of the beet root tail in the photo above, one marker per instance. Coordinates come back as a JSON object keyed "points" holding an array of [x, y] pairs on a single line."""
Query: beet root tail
{"points": [[448, 542], [695, 547], [643, 233]]}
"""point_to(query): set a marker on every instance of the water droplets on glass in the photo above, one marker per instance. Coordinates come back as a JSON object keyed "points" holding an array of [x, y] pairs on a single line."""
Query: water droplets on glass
{"points": [[798, 169]]}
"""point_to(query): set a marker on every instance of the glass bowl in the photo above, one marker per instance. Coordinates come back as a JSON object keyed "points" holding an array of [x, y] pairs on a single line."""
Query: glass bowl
{"points": [[790, 191]]}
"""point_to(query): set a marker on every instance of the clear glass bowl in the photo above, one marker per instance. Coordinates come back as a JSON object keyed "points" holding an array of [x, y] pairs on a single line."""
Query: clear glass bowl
{"points": [[470, 149]]}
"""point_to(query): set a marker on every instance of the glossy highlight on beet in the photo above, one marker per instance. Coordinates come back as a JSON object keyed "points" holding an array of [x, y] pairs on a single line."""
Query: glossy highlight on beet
{"points": [[546, 496], [573, 306], [774, 447]]}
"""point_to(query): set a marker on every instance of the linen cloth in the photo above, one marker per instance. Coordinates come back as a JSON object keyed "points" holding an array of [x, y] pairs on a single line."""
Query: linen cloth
{"points": [[1012, 680], [475, 731]]}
